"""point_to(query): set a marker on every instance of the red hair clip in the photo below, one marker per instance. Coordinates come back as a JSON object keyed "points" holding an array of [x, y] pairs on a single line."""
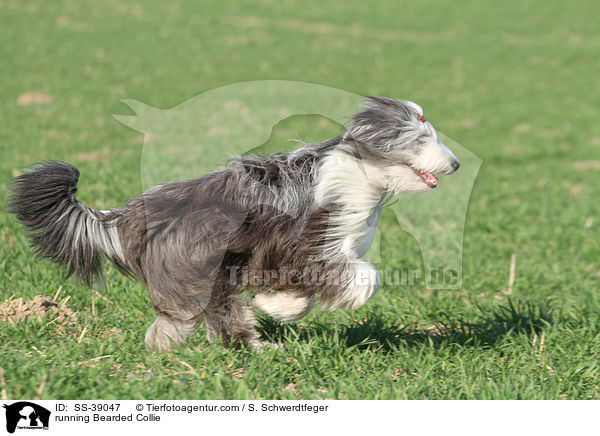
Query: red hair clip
{"points": [[422, 118]]}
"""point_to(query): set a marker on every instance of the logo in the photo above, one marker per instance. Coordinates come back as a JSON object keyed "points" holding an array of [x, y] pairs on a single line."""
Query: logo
{"points": [[26, 415]]}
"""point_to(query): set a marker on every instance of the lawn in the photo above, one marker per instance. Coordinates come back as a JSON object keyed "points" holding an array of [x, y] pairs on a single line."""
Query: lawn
{"points": [[514, 83]]}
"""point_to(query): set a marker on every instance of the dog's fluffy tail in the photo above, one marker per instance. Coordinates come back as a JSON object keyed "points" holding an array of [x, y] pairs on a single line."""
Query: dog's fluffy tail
{"points": [[60, 227]]}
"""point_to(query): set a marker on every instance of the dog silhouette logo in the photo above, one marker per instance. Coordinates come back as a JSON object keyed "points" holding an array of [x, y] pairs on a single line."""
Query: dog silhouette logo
{"points": [[26, 415]]}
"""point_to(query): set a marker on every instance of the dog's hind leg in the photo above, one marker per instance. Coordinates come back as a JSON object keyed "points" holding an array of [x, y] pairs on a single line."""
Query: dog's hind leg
{"points": [[167, 331], [284, 306], [233, 323]]}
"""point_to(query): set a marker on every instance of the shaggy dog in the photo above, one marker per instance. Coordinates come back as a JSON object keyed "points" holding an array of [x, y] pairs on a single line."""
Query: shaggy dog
{"points": [[291, 226]]}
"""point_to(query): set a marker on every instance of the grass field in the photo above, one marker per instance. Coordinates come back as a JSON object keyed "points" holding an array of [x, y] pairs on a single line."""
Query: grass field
{"points": [[515, 83]]}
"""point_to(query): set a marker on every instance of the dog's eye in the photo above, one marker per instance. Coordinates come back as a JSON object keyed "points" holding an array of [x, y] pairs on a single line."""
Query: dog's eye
{"points": [[422, 118]]}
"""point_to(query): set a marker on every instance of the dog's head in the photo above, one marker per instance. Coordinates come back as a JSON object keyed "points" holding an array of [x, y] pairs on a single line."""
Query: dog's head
{"points": [[404, 143]]}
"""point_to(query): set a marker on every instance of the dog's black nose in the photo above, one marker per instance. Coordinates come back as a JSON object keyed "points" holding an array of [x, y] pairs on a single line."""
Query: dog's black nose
{"points": [[455, 165]]}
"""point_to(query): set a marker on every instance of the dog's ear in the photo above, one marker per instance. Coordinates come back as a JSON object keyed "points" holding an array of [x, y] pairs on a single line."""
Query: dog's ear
{"points": [[378, 121]]}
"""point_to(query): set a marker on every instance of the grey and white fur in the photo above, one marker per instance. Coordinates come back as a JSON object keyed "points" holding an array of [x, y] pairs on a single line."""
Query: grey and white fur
{"points": [[196, 243]]}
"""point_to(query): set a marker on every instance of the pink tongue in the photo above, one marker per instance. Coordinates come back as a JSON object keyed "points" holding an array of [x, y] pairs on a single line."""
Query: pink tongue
{"points": [[429, 178]]}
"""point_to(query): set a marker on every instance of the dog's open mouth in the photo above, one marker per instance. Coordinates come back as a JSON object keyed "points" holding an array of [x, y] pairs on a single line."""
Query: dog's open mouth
{"points": [[428, 178]]}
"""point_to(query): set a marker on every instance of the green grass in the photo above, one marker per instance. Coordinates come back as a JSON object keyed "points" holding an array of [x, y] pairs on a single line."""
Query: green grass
{"points": [[514, 83]]}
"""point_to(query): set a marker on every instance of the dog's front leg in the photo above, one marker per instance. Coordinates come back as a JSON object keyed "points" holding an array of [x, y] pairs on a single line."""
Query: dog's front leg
{"points": [[285, 306], [360, 283]]}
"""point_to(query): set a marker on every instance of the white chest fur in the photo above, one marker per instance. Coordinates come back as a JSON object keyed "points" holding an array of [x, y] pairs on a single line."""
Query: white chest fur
{"points": [[357, 188], [359, 243]]}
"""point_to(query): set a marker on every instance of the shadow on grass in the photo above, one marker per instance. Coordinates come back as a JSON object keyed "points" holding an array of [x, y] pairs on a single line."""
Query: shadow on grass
{"points": [[380, 332]]}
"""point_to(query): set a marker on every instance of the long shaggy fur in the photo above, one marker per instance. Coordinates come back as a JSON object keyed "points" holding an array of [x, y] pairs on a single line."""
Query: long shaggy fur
{"points": [[292, 226], [61, 228]]}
